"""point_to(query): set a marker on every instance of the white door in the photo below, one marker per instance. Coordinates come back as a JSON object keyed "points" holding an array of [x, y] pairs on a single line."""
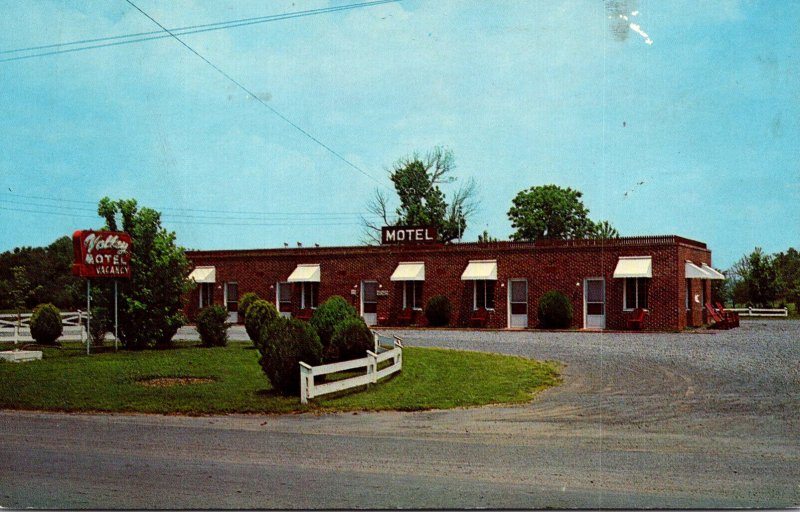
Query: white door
{"points": [[518, 303], [594, 303], [369, 302], [232, 301]]}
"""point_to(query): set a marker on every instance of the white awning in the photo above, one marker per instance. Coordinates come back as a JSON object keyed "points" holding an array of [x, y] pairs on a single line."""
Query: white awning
{"points": [[409, 272], [480, 270], [634, 266], [695, 272], [305, 274], [204, 275], [715, 274]]}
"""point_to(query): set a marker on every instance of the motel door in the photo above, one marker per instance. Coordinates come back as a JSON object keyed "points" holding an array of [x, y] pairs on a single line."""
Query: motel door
{"points": [[232, 301], [594, 303], [369, 302], [518, 300]]}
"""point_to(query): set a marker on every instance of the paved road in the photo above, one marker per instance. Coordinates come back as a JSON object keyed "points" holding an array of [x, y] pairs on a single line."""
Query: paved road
{"points": [[667, 420]]}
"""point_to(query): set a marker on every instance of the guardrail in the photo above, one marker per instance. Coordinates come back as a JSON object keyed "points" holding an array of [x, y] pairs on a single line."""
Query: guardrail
{"points": [[385, 349], [18, 327], [760, 311]]}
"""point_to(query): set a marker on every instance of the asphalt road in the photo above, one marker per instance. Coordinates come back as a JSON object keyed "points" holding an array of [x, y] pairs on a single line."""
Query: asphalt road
{"points": [[642, 420]]}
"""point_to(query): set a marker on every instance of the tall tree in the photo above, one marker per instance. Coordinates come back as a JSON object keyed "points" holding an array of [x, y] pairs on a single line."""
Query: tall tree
{"points": [[604, 231], [549, 212], [417, 183], [755, 278], [151, 302], [787, 270]]}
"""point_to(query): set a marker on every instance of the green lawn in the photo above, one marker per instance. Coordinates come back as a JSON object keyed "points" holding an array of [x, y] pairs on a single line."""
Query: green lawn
{"points": [[68, 380]]}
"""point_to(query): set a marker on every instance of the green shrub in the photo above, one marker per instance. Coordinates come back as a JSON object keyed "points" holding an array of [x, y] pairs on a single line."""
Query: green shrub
{"points": [[351, 340], [438, 311], [555, 310], [211, 326], [246, 301], [283, 344], [328, 315], [46, 325], [260, 313], [99, 325]]}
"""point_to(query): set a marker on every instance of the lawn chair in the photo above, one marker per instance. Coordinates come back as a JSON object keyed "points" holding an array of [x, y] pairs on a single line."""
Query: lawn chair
{"points": [[305, 314], [719, 322], [732, 317], [479, 318], [634, 322], [405, 317]]}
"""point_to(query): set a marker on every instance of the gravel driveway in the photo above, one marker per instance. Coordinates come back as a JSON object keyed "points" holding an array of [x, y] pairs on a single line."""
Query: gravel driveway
{"points": [[680, 420]]}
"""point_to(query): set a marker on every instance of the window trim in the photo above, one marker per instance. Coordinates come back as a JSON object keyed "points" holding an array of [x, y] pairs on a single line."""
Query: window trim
{"points": [[415, 299], [475, 294], [636, 299], [304, 299]]}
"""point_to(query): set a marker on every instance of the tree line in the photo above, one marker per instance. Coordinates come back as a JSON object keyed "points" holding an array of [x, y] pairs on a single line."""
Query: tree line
{"points": [[763, 280]]}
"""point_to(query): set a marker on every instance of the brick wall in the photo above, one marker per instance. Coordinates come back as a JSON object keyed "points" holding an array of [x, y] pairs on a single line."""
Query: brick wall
{"points": [[546, 266]]}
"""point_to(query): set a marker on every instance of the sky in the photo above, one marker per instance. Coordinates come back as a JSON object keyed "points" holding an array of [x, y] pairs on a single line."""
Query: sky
{"points": [[675, 117]]}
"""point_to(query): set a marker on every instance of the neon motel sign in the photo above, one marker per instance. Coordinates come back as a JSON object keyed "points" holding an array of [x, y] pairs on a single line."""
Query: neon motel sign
{"points": [[101, 254]]}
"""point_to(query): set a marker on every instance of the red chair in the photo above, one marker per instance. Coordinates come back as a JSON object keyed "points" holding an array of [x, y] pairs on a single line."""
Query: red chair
{"points": [[305, 314], [405, 316], [479, 318], [719, 322], [732, 317], [634, 322]]}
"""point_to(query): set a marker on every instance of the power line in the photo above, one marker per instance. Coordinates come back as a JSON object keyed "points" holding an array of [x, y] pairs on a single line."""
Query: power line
{"points": [[168, 208], [255, 97], [193, 223], [158, 34]]}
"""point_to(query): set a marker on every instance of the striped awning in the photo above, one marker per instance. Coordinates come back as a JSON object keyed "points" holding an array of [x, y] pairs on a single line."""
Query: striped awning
{"points": [[204, 275], [305, 274], [409, 272], [715, 274], [692, 271], [634, 266], [480, 270]]}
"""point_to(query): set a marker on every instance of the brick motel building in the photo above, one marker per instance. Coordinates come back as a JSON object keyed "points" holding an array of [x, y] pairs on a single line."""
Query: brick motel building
{"points": [[495, 284]]}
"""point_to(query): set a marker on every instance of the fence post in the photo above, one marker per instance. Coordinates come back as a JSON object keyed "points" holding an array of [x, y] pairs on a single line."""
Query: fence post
{"points": [[749, 311], [372, 367], [377, 340], [785, 311], [306, 383]]}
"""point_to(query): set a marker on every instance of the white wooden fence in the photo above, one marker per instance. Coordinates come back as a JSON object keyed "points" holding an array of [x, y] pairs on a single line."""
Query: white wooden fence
{"points": [[760, 311], [18, 328], [385, 349]]}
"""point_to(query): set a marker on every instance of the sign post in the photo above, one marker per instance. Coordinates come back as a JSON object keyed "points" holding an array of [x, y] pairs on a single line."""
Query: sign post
{"points": [[101, 254]]}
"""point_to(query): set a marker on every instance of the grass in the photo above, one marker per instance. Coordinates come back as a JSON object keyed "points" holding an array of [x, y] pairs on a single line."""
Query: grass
{"points": [[68, 380]]}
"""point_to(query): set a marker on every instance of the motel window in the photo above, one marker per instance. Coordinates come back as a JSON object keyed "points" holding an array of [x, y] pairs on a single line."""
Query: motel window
{"points": [[636, 292], [309, 295], [688, 294], [484, 294], [412, 294], [232, 296], [285, 297], [206, 294]]}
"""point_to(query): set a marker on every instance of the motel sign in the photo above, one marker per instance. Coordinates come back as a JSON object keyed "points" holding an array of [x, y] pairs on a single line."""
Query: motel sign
{"points": [[408, 235]]}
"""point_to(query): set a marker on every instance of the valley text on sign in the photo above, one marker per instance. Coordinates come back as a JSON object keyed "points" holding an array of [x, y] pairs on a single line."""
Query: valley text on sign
{"points": [[407, 235], [101, 254]]}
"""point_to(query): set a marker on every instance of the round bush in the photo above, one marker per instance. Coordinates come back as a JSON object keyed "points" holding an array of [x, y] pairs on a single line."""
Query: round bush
{"points": [[260, 313], [211, 326], [351, 339], [438, 311], [100, 324], [246, 301], [283, 344], [555, 311], [46, 325], [328, 315]]}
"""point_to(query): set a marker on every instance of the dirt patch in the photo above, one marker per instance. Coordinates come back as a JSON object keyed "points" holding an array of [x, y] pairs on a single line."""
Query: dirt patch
{"points": [[165, 382]]}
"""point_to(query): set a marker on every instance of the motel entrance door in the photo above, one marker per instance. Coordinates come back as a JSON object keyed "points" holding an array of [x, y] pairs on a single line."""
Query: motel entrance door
{"points": [[369, 302], [518, 303], [594, 303]]}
